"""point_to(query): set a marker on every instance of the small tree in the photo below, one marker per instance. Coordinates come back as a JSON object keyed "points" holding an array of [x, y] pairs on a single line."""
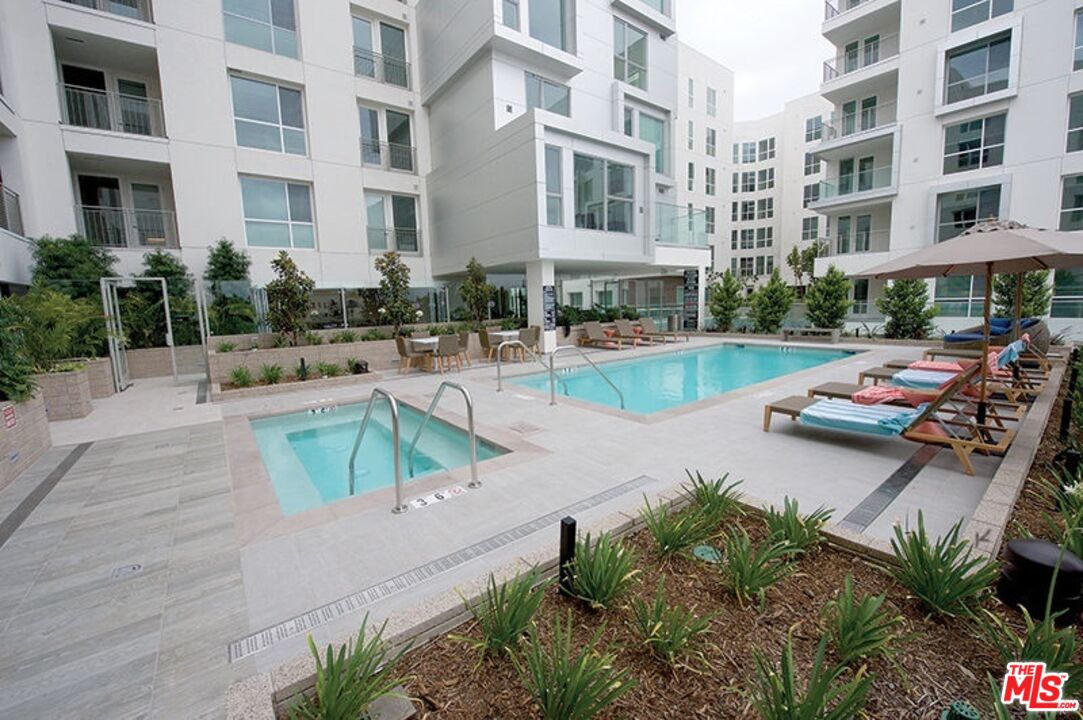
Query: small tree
{"points": [[828, 299], [905, 303], [724, 299], [289, 298], [816, 249], [395, 306], [476, 292], [50, 324], [770, 304], [230, 313], [1037, 294], [72, 265], [797, 266], [16, 383], [163, 264], [225, 263]]}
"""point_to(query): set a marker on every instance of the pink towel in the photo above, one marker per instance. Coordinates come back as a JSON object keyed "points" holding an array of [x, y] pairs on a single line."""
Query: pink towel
{"points": [[877, 394], [936, 366]]}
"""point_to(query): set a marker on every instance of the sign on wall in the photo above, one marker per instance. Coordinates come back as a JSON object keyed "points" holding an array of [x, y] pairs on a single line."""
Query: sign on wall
{"points": [[9, 417], [691, 299], [549, 306]]}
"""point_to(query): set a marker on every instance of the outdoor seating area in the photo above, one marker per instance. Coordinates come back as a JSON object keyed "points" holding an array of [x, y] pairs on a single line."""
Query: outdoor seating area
{"points": [[440, 352], [626, 334]]}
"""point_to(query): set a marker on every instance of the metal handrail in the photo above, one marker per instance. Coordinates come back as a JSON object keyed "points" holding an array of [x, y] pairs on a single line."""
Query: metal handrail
{"points": [[553, 375], [474, 482], [500, 359], [400, 507]]}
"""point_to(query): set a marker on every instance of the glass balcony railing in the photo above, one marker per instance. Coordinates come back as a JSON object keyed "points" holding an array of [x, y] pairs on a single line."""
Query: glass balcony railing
{"points": [[117, 112], [11, 216], [400, 239], [857, 120], [856, 183], [137, 9], [389, 156], [121, 227], [840, 7], [859, 55], [859, 240], [381, 68], [676, 226]]}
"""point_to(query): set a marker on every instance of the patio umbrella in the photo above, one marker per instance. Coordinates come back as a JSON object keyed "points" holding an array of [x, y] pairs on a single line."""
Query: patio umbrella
{"points": [[988, 248]]}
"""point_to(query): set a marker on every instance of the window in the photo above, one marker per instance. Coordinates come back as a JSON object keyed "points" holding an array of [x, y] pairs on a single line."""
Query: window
{"points": [[845, 224], [710, 181], [604, 193], [814, 128], [268, 116], [630, 54], [978, 69], [691, 176], [765, 179], [760, 264], [765, 237], [712, 102], [765, 209], [956, 211], [812, 164], [548, 95], [1075, 123], [711, 142], [653, 130], [277, 213], [550, 22], [1077, 58], [511, 14], [691, 135], [748, 181], [767, 149], [746, 267], [736, 153], [691, 92], [398, 152], [748, 239], [974, 144], [709, 219], [554, 187], [862, 233], [861, 297], [268, 25], [1068, 284], [734, 211], [733, 240], [748, 209], [386, 63], [736, 183], [628, 121], [392, 222], [810, 228], [965, 13], [748, 152], [733, 265], [812, 194], [575, 299]]}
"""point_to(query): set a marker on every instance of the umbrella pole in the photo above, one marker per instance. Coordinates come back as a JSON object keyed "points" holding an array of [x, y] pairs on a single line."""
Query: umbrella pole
{"points": [[985, 341], [1017, 326]]}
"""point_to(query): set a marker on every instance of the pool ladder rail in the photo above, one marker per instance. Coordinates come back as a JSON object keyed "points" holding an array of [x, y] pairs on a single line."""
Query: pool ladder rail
{"points": [[550, 368], [379, 393]]}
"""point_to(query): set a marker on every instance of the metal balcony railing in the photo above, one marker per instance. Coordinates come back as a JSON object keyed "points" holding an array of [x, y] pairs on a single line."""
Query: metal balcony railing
{"points": [[382, 68], [859, 182], [403, 240], [864, 119], [11, 215], [389, 156], [137, 9], [126, 227], [107, 110], [859, 241], [859, 55], [832, 10]]}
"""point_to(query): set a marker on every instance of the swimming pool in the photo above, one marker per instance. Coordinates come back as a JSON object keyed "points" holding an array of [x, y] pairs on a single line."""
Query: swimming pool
{"points": [[306, 454], [660, 382]]}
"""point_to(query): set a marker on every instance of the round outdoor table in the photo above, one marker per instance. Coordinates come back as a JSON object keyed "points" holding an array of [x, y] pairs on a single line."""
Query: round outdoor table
{"points": [[499, 336], [425, 345]]}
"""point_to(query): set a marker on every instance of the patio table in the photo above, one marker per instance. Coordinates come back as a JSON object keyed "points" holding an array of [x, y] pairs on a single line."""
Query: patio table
{"points": [[426, 345]]}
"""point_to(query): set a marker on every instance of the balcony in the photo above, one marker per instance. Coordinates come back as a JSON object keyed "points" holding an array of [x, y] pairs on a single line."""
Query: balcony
{"points": [[847, 19], [11, 216], [381, 68], [135, 9], [858, 242], [118, 227], [857, 58], [389, 156], [859, 188], [860, 123], [656, 13], [112, 111], [676, 226], [403, 240]]}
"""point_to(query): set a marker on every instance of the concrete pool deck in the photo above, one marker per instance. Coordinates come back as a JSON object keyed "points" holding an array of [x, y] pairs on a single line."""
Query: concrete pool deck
{"points": [[226, 587]]}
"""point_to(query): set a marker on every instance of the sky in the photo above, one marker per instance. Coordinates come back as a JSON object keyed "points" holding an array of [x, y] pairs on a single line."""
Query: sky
{"points": [[774, 47]]}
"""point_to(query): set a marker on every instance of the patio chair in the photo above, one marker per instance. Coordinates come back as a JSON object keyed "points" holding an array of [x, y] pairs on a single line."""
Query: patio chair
{"points": [[486, 343], [526, 337], [535, 339], [925, 425], [595, 337], [997, 411], [651, 330], [447, 349], [407, 355], [625, 331], [464, 346]]}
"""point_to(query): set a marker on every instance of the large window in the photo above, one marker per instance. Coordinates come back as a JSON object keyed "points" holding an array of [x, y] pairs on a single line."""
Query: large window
{"points": [[765, 237], [268, 25], [965, 13], [268, 116], [1077, 57], [812, 164], [392, 222], [629, 54], [955, 212], [712, 102], [691, 93], [277, 213], [765, 179], [1068, 284], [812, 194], [765, 209], [1075, 123], [712, 137], [548, 95], [551, 22], [653, 130], [810, 228], [748, 181], [767, 149], [710, 181], [511, 14], [709, 219], [379, 52], [974, 144], [861, 297], [554, 187], [978, 69], [814, 128], [748, 210], [604, 195], [395, 154]]}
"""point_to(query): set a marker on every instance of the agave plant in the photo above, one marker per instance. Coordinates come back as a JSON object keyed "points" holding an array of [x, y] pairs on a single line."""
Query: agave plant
{"points": [[716, 498], [674, 532], [801, 532], [602, 571], [860, 628], [669, 632], [506, 611], [827, 695]]}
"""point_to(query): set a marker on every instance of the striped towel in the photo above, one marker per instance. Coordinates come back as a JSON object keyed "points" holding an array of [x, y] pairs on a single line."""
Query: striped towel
{"points": [[922, 379], [870, 419]]}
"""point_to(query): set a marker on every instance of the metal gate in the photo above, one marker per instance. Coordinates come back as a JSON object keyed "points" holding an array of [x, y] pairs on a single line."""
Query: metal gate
{"points": [[114, 325]]}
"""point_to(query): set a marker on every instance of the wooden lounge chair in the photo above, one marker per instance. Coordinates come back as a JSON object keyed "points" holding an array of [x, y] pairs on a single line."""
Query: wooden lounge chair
{"points": [[651, 330], [596, 337], [932, 424], [626, 332], [1030, 358], [1017, 388], [997, 411]]}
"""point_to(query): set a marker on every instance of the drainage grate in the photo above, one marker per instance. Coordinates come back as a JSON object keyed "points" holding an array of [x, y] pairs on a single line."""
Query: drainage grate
{"points": [[126, 571], [879, 499], [354, 602]]}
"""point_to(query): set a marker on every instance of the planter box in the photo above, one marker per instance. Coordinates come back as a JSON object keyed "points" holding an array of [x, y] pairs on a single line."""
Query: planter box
{"points": [[66, 394], [99, 372], [220, 395], [155, 362], [25, 441]]}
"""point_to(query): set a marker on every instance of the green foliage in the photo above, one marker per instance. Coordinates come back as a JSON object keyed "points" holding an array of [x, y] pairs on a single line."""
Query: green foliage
{"points": [[1036, 641], [800, 532], [375, 334], [476, 292], [827, 300], [345, 336], [747, 570], [438, 330], [793, 261], [225, 263], [164, 264], [241, 376], [302, 371], [770, 304], [231, 316], [328, 369], [860, 628], [348, 681], [394, 293], [1037, 294], [72, 265], [270, 374], [567, 685], [351, 365], [512, 323], [905, 304], [714, 498], [226, 346], [670, 633], [280, 341], [1002, 711], [289, 298], [52, 325], [16, 383], [602, 571], [505, 614], [568, 316], [676, 531], [942, 575], [827, 695], [313, 338], [724, 300]]}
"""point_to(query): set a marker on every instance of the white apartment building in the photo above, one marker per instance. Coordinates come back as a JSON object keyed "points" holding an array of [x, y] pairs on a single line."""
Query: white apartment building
{"points": [[775, 173], [946, 113]]}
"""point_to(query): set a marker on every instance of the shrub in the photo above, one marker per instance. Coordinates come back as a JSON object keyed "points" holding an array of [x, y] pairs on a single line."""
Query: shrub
{"points": [[827, 300], [50, 322], [351, 366], [943, 575], [1038, 642], [1037, 293], [226, 264], [602, 570], [569, 686], [715, 498], [349, 681], [225, 347], [800, 532], [748, 571], [344, 336], [72, 265], [676, 531], [505, 613], [375, 334], [328, 369], [860, 628], [289, 297], [568, 316], [394, 294], [16, 381], [511, 323], [241, 376], [476, 292], [777, 695], [670, 633], [724, 299], [313, 338], [280, 341], [905, 303], [270, 374], [770, 304]]}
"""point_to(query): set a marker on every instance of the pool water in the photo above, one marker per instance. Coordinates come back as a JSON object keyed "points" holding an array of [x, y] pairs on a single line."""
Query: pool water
{"points": [[307, 453], [660, 382]]}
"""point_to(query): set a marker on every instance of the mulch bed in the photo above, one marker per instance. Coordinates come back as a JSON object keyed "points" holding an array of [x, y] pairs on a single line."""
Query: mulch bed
{"points": [[938, 660]]}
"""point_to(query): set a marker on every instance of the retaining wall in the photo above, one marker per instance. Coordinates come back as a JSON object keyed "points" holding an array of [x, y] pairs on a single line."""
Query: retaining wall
{"points": [[23, 443]]}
